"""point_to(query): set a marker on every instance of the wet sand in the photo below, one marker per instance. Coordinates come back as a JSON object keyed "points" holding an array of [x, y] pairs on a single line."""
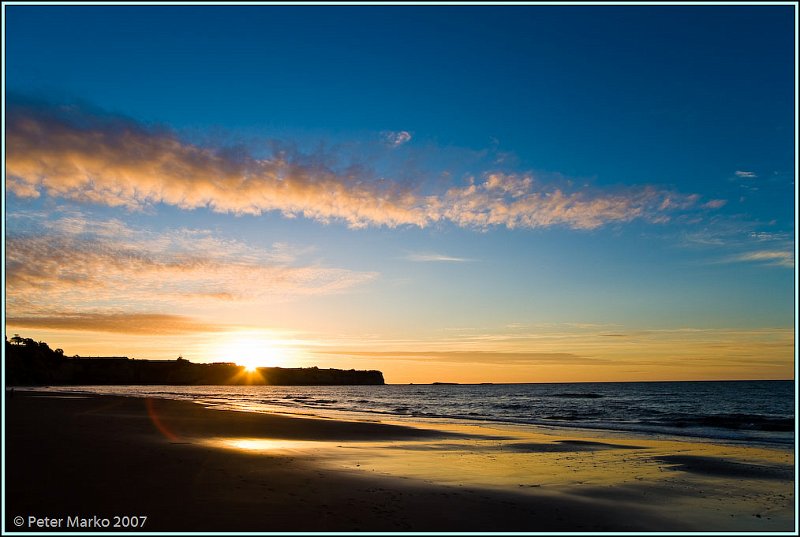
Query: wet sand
{"points": [[190, 468]]}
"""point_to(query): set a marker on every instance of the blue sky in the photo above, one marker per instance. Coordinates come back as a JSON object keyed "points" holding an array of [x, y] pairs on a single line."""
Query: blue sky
{"points": [[453, 179]]}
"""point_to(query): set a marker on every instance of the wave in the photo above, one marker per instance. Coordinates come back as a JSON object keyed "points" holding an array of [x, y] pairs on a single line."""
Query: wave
{"points": [[750, 422], [736, 411]]}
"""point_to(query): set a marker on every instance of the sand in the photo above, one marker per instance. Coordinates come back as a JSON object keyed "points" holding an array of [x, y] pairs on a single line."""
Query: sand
{"points": [[190, 468]]}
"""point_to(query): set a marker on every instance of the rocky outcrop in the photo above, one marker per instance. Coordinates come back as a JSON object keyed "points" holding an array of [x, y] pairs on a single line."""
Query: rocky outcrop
{"points": [[29, 363]]}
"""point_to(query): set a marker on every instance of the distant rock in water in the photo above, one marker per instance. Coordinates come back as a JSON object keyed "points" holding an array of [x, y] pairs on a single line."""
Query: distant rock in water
{"points": [[31, 363]]}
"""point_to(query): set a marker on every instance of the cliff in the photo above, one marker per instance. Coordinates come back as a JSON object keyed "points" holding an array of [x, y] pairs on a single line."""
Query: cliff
{"points": [[30, 363]]}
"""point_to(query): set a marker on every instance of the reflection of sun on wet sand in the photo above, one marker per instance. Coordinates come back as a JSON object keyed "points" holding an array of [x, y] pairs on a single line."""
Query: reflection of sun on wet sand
{"points": [[202, 469]]}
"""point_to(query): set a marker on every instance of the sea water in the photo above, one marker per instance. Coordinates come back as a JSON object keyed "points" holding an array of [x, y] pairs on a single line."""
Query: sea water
{"points": [[751, 411]]}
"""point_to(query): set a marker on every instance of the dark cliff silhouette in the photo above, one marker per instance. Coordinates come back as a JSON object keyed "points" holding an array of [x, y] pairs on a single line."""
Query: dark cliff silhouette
{"points": [[31, 363]]}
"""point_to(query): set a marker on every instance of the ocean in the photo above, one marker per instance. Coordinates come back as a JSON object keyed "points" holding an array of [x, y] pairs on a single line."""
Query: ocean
{"points": [[747, 411]]}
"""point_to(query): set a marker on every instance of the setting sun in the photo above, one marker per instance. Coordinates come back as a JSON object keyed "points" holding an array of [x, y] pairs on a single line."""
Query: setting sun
{"points": [[251, 350]]}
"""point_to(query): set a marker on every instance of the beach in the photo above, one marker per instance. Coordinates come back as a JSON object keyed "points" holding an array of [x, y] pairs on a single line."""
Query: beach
{"points": [[85, 458]]}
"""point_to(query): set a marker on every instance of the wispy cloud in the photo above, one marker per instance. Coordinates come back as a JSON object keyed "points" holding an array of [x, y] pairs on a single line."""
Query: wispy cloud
{"points": [[715, 204], [517, 201], [722, 352], [736, 239], [767, 236], [778, 258], [434, 257], [396, 138], [471, 357], [75, 154], [745, 174], [125, 323], [89, 267]]}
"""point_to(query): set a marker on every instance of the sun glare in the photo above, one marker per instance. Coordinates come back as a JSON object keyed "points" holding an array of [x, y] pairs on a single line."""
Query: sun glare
{"points": [[251, 351]]}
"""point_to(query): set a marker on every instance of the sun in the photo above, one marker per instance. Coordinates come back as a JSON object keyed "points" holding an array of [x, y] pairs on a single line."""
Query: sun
{"points": [[251, 352], [253, 349]]}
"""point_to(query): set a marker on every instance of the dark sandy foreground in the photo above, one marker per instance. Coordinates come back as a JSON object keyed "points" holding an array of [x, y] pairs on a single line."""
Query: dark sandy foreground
{"points": [[188, 468]]}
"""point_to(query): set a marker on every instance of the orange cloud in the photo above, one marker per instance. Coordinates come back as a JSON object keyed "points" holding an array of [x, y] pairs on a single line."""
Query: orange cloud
{"points": [[125, 323], [72, 154], [576, 352], [471, 357]]}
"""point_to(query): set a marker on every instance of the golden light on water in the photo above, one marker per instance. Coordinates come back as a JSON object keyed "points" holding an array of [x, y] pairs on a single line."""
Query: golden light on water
{"points": [[265, 444]]}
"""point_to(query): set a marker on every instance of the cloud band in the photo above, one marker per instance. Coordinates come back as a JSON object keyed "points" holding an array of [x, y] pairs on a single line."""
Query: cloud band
{"points": [[90, 157]]}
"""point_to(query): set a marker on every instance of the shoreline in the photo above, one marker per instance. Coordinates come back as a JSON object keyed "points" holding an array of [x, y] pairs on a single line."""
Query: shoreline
{"points": [[189, 468], [769, 439]]}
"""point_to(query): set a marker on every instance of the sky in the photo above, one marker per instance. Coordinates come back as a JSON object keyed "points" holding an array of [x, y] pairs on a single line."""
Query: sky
{"points": [[444, 193]]}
